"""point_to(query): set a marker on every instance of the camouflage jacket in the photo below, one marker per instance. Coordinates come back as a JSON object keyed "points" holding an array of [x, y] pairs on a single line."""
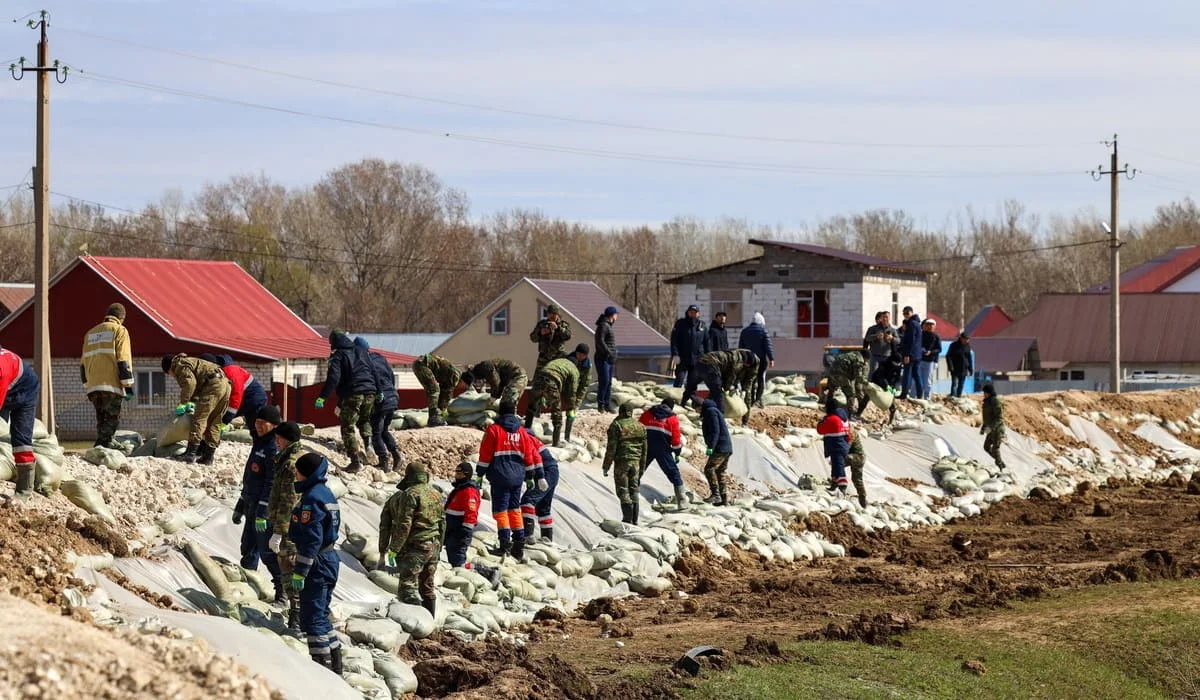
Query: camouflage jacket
{"points": [[566, 373], [195, 377], [993, 414], [849, 365], [497, 374], [439, 368], [626, 442], [737, 367], [550, 345], [283, 496], [414, 515]]}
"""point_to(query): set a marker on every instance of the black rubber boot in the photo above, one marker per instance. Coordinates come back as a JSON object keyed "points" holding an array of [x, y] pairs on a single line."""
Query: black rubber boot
{"points": [[293, 621], [383, 461], [530, 527], [325, 660], [529, 421], [335, 660], [192, 454], [430, 604], [633, 512], [26, 477], [626, 509], [280, 597], [557, 442], [206, 453], [355, 465], [435, 419], [570, 424], [680, 497], [547, 533], [397, 461], [518, 550]]}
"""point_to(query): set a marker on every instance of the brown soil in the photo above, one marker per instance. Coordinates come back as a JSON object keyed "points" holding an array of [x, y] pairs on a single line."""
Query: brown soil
{"points": [[442, 448], [775, 420]]}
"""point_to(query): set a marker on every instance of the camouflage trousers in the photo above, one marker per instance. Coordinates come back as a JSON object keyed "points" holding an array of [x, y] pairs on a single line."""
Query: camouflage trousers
{"points": [[714, 472], [415, 568], [355, 411], [287, 564], [628, 479], [545, 395], [439, 386], [853, 388], [108, 415], [210, 412], [513, 390], [991, 445], [856, 461]]}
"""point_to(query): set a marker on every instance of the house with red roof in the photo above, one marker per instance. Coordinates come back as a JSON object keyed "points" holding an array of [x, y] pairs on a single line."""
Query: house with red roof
{"points": [[1174, 272], [810, 295], [12, 295], [990, 321], [501, 328], [172, 306]]}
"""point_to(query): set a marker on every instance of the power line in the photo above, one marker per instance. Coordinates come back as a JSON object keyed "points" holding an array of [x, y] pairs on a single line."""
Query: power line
{"points": [[553, 117], [782, 168], [23, 223]]}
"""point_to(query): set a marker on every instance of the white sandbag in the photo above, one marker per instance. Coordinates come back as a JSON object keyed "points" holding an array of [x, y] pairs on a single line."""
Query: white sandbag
{"points": [[8, 470], [398, 675], [51, 450], [457, 622], [104, 457], [882, 398], [261, 584], [469, 402], [384, 580], [379, 632], [242, 437], [47, 475], [175, 431], [462, 585], [169, 450], [358, 660], [337, 486], [649, 587], [735, 407], [577, 564], [413, 619], [147, 449], [88, 498], [467, 418], [368, 686], [209, 571], [832, 550]]}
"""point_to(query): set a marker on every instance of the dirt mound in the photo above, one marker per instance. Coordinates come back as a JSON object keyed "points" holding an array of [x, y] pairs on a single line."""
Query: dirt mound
{"points": [[442, 448], [775, 420], [448, 674], [1152, 565], [760, 647], [603, 606], [869, 629], [32, 549]]}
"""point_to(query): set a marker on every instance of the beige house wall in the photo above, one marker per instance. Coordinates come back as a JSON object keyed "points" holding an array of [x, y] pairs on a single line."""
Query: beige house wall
{"points": [[475, 342]]}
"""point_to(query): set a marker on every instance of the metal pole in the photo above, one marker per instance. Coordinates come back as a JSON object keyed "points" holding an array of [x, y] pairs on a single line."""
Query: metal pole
{"points": [[41, 237], [287, 384], [962, 311], [1115, 247], [636, 306]]}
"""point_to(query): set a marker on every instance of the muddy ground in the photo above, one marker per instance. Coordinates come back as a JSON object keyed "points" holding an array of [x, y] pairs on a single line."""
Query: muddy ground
{"points": [[891, 582]]}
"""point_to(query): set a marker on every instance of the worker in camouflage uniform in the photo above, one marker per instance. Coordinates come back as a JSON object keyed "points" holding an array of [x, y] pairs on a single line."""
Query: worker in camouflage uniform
{"points": [[556, 383], [627, 451], [439, 377], [411, 529], [106, 368], [856, 460], [204, 393], [551, 335], [848, 373], [280, 504], [726, 370], [352, 374], [993, 424], [506, 380]]}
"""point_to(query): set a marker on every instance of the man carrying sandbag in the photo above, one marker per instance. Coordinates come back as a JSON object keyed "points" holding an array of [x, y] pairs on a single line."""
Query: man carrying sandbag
{"points": [[106, 368], [848, 374], [508, 458], [439, 377], [412, 528], [351, 375], [246, 394], [257, 478], [556, 383], [626, 451], [462, 514], [204, 393], [19, 393], [280, 503], [726, 370], [719, 448], [536, 503], [504, 378], [664, 441], [313, 528]]}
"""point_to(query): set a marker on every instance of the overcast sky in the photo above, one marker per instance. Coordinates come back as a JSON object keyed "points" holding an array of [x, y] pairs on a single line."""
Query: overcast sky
{"points": [[1047, 80]]}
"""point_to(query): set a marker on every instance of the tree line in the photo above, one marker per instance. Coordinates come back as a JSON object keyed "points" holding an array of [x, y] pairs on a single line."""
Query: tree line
{"points": [[388, 246]]}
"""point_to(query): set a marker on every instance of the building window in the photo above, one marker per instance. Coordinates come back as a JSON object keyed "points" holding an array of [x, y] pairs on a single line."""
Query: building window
{"points": [[895, 308], [542, 310], [299, 381], [151, 389], [1075, 375], [729, 301], [812, 313], [498, 323]]}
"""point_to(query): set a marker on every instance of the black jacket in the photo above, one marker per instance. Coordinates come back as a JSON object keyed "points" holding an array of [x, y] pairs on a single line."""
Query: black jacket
{"points": [[350, 370], [606, 341], [385, 379], [959, 360], [689, 340], [718, 338], [931, 346], [716, 432]]}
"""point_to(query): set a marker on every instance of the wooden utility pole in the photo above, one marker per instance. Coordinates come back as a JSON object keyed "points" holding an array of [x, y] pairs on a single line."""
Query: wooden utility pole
{"points": [[1114, 244], [41, 215]]}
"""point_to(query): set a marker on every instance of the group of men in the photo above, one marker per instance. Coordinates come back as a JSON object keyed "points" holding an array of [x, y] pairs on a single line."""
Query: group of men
{"points": [[702, 354], [903, 359], [365, 388]]}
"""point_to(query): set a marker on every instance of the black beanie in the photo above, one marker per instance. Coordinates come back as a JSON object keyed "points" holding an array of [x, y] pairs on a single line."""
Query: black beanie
{"points": [[166, 363], [270, 414], [289, 431], [668, 402], [308, 464]]}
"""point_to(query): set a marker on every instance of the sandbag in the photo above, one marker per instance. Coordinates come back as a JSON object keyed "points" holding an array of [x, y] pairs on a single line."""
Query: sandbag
{"points": [[47, 475], [467, 418], [358, 660], [384, 580], [650, 587], [8, 470], [337, 486], [87, 498], [379, 632], [239, 436], [414, 619], [51, 450], [398, 675], [209, 571], [176, 431], [735, 407], [147, 449], [469, 402], [104, 457], [261, 584], [169, 450], [128, 440], [882, 398], [368, 686]]}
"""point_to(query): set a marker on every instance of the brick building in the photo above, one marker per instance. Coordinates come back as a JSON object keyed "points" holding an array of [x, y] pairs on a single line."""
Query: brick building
{"points": [[172, 306]]}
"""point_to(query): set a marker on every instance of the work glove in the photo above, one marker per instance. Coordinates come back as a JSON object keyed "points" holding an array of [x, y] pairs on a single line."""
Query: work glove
{"points": [[390, 558], [274, 542], [606, 469], [529, 484], [260, 525], [224, 428], [677, 452], [479, 481], [319, 403], [181, 409], [571, 415], [129, 395], [708, 452], [543, 486], [297, 582]]}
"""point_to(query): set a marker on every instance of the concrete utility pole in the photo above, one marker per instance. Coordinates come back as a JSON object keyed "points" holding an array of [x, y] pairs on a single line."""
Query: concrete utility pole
{"points": [[41, 215], [1114, 244]]}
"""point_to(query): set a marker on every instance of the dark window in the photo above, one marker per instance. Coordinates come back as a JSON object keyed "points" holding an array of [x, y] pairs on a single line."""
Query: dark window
{"points": [[499, 322], [151, 389], [812, 313]]}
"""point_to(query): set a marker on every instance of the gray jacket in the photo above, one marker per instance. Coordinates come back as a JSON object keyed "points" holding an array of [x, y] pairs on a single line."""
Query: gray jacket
{"points": [[875, 342]]}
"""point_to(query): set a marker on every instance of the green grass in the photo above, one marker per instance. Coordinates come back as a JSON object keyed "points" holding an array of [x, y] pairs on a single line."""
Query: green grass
{"points": [[1109, 642]]}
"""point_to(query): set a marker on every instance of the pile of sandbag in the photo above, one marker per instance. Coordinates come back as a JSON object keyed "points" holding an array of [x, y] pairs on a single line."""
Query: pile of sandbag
{"points": [[48, 458], [974, 486]]}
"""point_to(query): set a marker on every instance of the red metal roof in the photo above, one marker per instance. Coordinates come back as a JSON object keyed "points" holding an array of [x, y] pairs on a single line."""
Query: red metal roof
{"points": [[990, 321], [12, 295], [1159, 274], [844, 255], [214, 304], [583, 302], [944, 329], [1074, 328]]}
